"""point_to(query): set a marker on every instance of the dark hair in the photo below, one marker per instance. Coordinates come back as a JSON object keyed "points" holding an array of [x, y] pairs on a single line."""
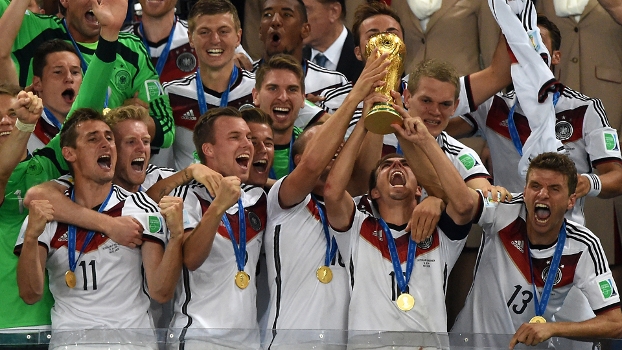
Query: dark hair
{"points": [[554, 33], [39, 60], [256, 115], [9, 89], [370, 9], [439, 70], [373, 176], [212, 7], [559, 163], [69, 134], [279, 61], [301, 9], [204, 128]]}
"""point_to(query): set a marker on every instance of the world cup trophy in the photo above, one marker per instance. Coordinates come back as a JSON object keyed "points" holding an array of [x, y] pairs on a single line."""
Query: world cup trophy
{"points": [[382, 115]]}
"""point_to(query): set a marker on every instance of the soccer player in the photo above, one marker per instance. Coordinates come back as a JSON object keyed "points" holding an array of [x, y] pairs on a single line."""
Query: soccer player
{"points": [[282, 29], [57, 78], [580, 123], [110, 281], [307, 274], [214, 32], [524, 240], [404, 280], [262, 136], [217, 290], [134, 79]]}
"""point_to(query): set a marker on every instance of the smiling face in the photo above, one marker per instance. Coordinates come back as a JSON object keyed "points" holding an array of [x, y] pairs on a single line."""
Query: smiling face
{"points": [[263, 145], [215, 37], [281, 96], [8, 117], [283, 28], [81, 21], [434, 101], [547, 200], [374, 25], [60, 82], [158, 8], [232, 150], [95, 154], [395, 181], [133, 149]]}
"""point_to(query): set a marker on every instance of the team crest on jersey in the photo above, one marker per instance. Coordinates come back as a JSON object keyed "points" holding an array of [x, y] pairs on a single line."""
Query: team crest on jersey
{"points": [[122, 79], [519, 245], [611, 142], [607, 288], [186, 62], [34, 168], [563, 130], [427, 243], [254, 221], [558, 275]]}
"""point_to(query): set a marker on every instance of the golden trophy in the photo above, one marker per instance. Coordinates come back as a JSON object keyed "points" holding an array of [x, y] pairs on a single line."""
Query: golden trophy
{"points": [[382, 115]]}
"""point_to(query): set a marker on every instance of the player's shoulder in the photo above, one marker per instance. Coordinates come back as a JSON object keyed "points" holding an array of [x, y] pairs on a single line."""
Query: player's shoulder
{"points": [[181, 83], [138, 201], [324, 72]]}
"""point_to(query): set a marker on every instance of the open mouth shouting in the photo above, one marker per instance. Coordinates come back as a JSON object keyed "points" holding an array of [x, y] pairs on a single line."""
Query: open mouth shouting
{"points": [[281, 113], [90, 18], [275, 39], [243, 160], [542, 212], [138, 164], [104, 161], [397, 179], [69, 96], [260, 165]]}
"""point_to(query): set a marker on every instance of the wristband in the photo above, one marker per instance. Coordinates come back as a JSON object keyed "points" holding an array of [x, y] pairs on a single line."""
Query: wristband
{"points": [[595, 184], [25, 127]]}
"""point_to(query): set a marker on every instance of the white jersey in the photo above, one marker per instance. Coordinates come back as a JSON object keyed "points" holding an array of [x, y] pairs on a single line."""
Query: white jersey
{"points": [[319, 81], [181, 60], [295, 246], [374, 287], [501, 297], [44, 131], [183, 96], [464, 159], [208, 298], [109, 289], [581, 125], [153, 175]]}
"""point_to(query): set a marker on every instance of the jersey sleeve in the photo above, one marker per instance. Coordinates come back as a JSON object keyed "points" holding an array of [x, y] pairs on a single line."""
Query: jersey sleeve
{"points": [[465, 99], [192, 211], [44, 239], [309, 114], [347, 241], [146, 212], [274, 210], [601, 140], [334, 97], [593, 276]]}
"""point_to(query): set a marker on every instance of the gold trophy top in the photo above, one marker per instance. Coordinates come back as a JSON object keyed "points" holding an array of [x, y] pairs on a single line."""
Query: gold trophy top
{"points": [[392, 44]]}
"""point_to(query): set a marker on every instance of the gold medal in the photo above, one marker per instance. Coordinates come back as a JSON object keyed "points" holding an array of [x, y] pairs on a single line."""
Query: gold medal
{"points": [[324, 274], [537, 319], [242, 279], [405, 302], [105, 111], [70, 279]]}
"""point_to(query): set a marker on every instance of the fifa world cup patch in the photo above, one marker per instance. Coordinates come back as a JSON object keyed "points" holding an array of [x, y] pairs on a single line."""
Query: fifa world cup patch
{"points": [[611, 142], [154, 224], [607, 289], [468, 161]]}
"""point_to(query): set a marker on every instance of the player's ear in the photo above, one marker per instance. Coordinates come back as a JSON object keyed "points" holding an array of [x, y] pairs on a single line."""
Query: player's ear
{"points": [[357, 53], [208, 150], [69, 154], [375, 193]]}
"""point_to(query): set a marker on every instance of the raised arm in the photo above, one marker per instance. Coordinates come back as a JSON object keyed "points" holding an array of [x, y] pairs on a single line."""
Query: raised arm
{"points": [[32, 258], [494, 78], [199, 172], [323, 145], [163, 265], [27, 110], [10, 22], [198, 244], [460, 199]]}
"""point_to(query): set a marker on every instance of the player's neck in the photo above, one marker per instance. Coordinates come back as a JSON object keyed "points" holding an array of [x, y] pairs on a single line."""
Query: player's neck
{"points": [[216, 79], [125, 185], [282, 138], [542, 239], [58, 115], [90, 194], [158, 28], [78, 37], [395, 212]]}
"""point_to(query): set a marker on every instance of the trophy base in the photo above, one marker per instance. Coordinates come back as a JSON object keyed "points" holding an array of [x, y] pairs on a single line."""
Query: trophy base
{"points": [[380, 118]]}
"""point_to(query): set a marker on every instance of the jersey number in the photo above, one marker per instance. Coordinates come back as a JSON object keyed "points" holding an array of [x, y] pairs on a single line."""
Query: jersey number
{"points": [[395, 290], [526, 298], [85, 278]]}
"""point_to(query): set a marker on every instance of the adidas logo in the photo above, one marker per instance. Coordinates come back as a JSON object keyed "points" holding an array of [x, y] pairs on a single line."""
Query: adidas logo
{"points": [[519, 245], [189, 115], [63, 238]]}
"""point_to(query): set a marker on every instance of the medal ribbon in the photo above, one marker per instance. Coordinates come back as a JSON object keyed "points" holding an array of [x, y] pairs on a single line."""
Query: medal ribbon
{"points": [[71, 235], [512, 125], [331, 245], [272, 174], [224, 99], [52, 118], [540, 306], [402, 281], [164, 55], [240, 251]]}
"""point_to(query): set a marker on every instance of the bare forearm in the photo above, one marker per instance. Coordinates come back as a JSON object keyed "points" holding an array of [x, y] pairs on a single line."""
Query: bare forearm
{"points": [[163, 280], [369, 154], [165, 186], [424, 170], [611, 182], [30, 272]]}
